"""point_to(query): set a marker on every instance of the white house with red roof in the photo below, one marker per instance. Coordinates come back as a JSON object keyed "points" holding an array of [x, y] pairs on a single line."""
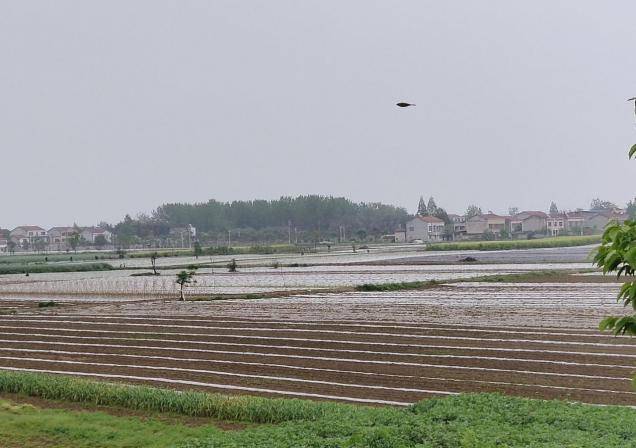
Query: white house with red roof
{"points": [[425, 228]]}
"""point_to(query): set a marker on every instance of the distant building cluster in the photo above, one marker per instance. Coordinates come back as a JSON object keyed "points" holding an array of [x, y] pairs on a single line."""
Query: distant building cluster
{"points": [[526, 224], [36, 238]]}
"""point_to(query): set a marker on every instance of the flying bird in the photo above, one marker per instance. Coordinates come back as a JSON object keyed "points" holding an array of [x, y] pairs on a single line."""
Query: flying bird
{"points": [[404, 104]]}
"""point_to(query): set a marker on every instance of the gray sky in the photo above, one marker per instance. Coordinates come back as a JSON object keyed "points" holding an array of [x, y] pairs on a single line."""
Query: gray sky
{"points": [[115, 107]]}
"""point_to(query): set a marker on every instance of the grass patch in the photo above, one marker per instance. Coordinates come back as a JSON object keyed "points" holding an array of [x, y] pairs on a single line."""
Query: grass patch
{"points": [[43, 268], [24, 425], [48, 304], [395, 286], [468, 420], [561, 241]]}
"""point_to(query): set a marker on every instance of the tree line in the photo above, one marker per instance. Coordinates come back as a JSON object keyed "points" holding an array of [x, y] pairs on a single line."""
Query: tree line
{"points": [[313, 217]]}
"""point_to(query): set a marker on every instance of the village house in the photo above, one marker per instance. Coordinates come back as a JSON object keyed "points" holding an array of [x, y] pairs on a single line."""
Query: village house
{"points": [[459, 224], [399, 236], [59, 235], [4, 239], [89, 234], [425, 228], [528, 221], [28, 235], [479, 224], [556, 224]]}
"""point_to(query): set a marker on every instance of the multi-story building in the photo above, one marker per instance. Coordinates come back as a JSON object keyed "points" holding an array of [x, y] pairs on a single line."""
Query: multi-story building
{"points": [[480, 224], [459, 224], [59, 235], [556, 224], [24, 235], [528, 221], [425, 228], [89, 234]]}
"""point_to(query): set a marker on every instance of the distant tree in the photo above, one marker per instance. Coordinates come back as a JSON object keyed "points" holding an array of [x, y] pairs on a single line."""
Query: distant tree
{"points": [[26, 245], [361, 234], [198, 250], [73, 241], [421, 207], [11, 245], [472, 210], [441, 214], [431, 206], [553, 208], [100, 241], [39, 244], [599, 204], [153, 262], [631, 209], [513, 211], [184, 278]]}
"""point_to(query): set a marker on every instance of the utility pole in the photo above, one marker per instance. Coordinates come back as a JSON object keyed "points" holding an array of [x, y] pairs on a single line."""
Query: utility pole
{"points": [[229, 238], [289, 230]]}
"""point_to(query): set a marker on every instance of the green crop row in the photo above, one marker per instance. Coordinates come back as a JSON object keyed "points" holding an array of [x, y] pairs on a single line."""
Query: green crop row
{"points": [[564, 241]]}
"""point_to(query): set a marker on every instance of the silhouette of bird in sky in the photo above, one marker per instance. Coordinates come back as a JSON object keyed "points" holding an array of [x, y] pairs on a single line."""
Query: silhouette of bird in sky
{"points": [[404, 104]]}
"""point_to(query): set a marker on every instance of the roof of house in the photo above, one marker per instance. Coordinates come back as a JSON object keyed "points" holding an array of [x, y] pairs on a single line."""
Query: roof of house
{"points": [[94, 230], [61, 229], [27, 228], [530, 213], [430, 219], [491, 216]]}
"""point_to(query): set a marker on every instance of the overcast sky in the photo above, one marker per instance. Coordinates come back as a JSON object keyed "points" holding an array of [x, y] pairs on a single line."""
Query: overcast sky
{"points": [[116, 107]]}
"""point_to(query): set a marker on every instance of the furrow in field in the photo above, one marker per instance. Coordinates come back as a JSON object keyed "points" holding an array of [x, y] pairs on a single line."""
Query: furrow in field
{"points": [[575, 340], [602, 355], [492, 369], [337, 325], [359, 376]]}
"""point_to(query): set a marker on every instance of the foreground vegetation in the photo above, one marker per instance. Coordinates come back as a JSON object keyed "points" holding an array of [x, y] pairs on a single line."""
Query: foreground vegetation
{"points": [[561, 241], [25, 425], [472, 420]]}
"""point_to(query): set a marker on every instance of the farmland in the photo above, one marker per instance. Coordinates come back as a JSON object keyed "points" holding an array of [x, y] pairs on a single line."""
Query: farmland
{"points": [[394, 347], [521, 333]]}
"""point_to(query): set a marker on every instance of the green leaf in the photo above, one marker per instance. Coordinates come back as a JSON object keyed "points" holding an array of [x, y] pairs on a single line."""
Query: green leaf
{"points": [[632, 151], [608, 323]]}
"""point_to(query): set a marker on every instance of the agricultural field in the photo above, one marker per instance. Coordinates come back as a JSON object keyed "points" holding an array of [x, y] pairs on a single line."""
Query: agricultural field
{"points": [[522, 329], [218, 281], [383, 348]]}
